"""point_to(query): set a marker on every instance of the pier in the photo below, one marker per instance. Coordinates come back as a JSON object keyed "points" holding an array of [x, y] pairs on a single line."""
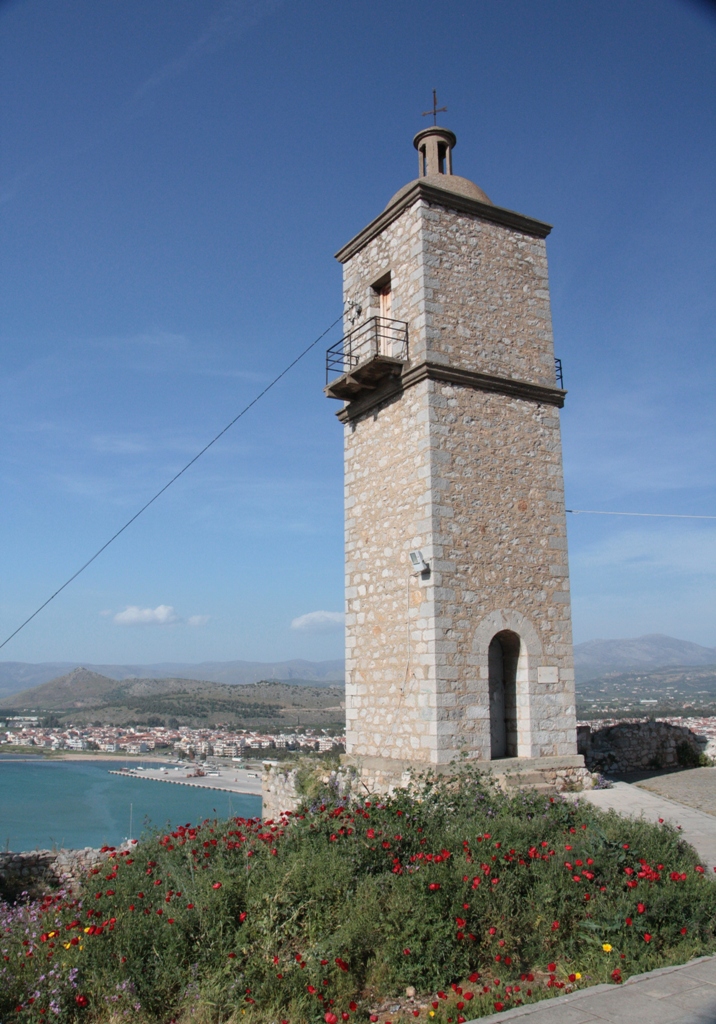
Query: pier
{"points": [[230, 780]]}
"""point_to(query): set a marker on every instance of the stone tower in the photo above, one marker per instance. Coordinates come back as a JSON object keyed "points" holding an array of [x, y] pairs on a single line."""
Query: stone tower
{"points": [[452, 452]]}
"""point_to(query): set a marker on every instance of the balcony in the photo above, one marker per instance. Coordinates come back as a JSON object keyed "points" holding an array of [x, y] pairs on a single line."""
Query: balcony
{"points": [[363, 359]]}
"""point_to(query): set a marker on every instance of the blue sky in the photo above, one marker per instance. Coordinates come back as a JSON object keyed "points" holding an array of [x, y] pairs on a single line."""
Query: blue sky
{"points": [[175, 177]]}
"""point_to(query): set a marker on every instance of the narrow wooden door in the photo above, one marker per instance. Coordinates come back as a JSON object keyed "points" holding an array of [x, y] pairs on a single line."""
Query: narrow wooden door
{"points": [[498, 727]]}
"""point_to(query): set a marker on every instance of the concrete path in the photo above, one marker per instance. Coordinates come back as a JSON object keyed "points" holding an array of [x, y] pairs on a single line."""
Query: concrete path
{"points": [[698, 828], [672, 995]]}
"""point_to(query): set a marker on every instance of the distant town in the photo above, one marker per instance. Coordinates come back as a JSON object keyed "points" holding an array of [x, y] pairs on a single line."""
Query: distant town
{"points": [[220, 741], [32, 731]]}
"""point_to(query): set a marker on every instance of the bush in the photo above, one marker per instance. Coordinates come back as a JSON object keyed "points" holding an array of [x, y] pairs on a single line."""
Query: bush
{"points": [[473, 898], [687, 755]]}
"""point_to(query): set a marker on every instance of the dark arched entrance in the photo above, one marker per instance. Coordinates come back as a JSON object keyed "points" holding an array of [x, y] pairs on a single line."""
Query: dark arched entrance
{"points": [[503, 655]]}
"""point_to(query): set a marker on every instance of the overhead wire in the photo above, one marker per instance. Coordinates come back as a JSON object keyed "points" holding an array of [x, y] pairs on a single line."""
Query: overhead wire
{"points": [[251, 404], [648, 515], [176, 476]]}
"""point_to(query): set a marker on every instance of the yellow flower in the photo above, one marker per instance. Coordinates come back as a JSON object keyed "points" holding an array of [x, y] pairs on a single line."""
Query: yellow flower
{"points": [[607, 947], [86, 930], [577, 975], [66, 945]]}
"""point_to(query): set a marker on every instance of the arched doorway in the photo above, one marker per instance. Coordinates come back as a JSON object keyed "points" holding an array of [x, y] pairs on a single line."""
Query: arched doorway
{"points": [[503, 655]]}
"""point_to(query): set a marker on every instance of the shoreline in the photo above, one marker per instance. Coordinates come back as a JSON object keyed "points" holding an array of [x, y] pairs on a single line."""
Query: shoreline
{"points": [[79, 755]]}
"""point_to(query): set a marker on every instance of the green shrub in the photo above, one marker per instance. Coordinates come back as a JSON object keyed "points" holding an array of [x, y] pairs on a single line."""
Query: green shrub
{"points": [[687, 755], [455, 888]]}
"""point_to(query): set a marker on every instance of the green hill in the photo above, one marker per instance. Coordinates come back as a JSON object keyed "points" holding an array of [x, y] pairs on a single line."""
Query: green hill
{"points": [[83, 696]]}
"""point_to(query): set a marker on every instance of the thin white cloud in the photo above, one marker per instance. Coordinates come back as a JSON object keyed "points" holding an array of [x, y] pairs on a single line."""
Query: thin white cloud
{"points": [[162, 615], [319, 622], [197, 620], [133, 615], [229, 22]]}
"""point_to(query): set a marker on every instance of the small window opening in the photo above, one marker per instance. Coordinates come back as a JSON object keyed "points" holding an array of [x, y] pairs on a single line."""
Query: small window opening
{"points": [[423, 161], [442, 154]]}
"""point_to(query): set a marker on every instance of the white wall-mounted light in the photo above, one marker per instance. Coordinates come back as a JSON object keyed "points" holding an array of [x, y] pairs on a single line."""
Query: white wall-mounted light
{"points": [[354, 310], [418, 562]]}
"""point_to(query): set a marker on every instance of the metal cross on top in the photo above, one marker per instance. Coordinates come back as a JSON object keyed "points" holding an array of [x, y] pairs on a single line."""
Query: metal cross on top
{"points": [[436, 109]]}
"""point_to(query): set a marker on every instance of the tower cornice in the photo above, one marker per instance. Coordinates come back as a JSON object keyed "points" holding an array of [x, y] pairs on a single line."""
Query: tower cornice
{"points": [[540, 393], [420, 189]]}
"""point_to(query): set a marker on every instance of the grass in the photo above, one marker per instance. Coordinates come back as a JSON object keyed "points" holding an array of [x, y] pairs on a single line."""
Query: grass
{"points": [[468, 899]]}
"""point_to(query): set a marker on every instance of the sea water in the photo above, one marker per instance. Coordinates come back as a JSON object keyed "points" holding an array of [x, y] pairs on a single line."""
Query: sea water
{"points": [[73, 804]]}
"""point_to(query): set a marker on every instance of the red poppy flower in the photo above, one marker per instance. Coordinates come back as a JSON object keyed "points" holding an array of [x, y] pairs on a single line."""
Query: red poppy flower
{"points": [[216, 885], [647, 937], [81, 1000]]}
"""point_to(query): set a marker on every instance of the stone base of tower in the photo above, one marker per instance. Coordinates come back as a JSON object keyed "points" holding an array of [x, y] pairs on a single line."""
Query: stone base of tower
{"points": [[546, 774], [359, 778]]}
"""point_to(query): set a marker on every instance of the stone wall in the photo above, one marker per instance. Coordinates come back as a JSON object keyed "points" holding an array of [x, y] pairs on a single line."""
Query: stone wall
{"points": [[278, 791], [359, 778], [638, 746], [34, 870], [500, 557], [486, 297], [390, 679]]}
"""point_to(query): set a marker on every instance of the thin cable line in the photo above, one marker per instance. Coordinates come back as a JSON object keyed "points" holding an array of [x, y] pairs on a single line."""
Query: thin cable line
{"points": [[175, 478], [649, 515]]}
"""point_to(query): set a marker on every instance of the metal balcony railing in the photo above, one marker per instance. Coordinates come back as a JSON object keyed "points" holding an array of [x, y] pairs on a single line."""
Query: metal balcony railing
{"points": [[558, 373], [377, 337]]}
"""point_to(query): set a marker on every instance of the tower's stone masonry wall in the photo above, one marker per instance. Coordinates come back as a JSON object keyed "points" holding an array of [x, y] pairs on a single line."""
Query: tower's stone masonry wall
{"points": [[499, 549], [486, 297], [399, 249], [475, 295], [474, 479], [388, 513]]}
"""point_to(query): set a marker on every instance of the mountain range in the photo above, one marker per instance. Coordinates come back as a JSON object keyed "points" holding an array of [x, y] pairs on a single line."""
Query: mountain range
{"points": [[593, 659], [16, 676], [596, 658], [85, 696]]}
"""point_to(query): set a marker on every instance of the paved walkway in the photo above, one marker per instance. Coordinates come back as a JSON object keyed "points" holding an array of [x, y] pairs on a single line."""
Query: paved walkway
{"points": [[672, 995], [695, 787], [698, 828]]}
